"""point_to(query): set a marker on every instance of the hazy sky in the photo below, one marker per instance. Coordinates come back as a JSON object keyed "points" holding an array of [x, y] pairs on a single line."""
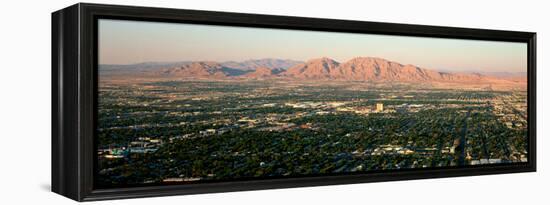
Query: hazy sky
{"points": [[126, 42]]}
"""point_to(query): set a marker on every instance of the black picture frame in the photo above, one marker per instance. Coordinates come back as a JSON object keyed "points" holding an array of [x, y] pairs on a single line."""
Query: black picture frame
{"points": [[74, 97]]}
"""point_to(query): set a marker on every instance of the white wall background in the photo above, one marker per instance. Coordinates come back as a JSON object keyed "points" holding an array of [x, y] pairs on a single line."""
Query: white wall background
{"points": [[25, 102]]}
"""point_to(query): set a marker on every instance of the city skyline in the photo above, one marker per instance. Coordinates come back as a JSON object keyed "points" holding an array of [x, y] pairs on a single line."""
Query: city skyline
{"points": [[170, 42]]}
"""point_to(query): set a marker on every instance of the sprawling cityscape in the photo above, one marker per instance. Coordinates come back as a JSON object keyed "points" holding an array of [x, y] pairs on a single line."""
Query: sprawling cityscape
{"points": [[200, 130], [189, 103]]}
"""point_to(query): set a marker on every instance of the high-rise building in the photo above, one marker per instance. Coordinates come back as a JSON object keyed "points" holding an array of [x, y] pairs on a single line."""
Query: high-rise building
{"points": [[379, 107]]}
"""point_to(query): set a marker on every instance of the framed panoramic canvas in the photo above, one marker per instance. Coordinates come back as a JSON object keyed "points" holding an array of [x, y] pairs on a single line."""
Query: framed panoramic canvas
{"points": [[153, 101]]}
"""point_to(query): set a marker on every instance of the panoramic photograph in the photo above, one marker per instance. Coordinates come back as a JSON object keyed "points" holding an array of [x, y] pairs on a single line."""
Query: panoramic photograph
{"points": [[186, 103]]}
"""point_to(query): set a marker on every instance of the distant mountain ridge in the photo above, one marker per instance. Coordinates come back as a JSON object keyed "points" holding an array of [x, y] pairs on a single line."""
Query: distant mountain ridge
{"points": [[202, 69], [271, 63], [264, 72], [369, 69], [248, 65], [357, 69], [319, 68]]}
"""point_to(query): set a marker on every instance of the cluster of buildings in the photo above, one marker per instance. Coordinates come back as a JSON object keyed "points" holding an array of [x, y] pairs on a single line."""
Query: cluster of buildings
{"points": [[142, 145], [391, 149], [511, 110], [315, 105], [219, 131], [377, 108]]}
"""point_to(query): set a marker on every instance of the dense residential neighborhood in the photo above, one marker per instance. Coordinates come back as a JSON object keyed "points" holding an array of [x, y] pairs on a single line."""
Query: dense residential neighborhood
{"points": [[196, 130]]}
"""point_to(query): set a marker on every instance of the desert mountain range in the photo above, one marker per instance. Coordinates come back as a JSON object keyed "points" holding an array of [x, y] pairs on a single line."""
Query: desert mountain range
{"points": [[247, 65], [357, 69]]}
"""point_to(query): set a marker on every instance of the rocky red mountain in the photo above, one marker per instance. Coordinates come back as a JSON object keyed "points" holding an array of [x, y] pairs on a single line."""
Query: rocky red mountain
{"points": [[321, 68], [378, 69], [375, 70]]}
